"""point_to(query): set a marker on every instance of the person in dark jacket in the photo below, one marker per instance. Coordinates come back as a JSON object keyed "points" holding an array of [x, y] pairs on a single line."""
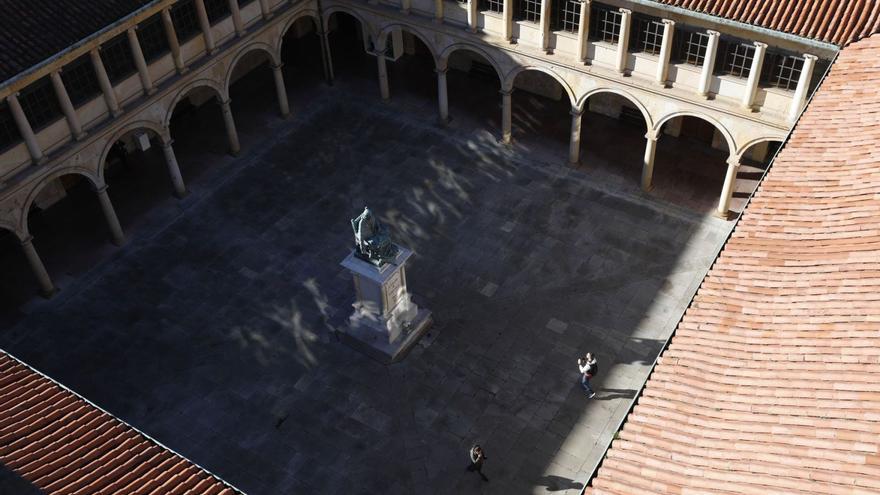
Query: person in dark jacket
{"points": [[477, 457], [588, 366]]}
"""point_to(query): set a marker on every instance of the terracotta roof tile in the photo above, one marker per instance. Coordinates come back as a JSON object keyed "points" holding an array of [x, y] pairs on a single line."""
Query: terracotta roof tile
{"points": [[62, 444], [770, 382]]}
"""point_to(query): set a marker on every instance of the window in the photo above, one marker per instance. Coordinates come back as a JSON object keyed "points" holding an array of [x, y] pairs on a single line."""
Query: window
{"points": [[40, 104], [691, 47], [781, 71], [737, 56], [186, 23], [566, 15], [492, 5], [151, 36], [605, 24], [216, 10], [8, 130], [647, 35], [80, 80], [117, 58], [528, 10], [242, 3]]}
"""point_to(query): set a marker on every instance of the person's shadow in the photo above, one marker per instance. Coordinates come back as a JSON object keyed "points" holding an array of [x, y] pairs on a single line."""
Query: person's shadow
{"points": [[558, 483], [615, 393]]}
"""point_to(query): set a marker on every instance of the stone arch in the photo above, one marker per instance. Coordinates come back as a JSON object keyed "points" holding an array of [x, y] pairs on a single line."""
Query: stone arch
{"points": [[368, 28], [728, 137], [582, 101], [274, 57], [279, 41], [35, 190], [156, 127], [764, 139], [383, 34], [507, 82], [218, 88], [443, 60]]}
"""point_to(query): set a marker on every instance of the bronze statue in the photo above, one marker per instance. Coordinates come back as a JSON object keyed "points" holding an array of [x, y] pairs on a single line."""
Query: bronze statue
{"points": [[372, 242]]}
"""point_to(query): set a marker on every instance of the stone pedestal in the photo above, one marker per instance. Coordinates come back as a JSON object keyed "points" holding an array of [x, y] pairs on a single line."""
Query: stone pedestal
{"points": [[385, 323]]}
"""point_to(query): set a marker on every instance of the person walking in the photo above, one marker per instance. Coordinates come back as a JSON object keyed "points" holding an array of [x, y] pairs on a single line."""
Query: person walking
{"points": [[477, 456], [589, 367]]}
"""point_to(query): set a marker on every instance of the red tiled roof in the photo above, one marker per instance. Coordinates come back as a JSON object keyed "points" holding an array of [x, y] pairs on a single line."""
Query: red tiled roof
{"points": [[834, 21], [771, 383], [61, 444]]}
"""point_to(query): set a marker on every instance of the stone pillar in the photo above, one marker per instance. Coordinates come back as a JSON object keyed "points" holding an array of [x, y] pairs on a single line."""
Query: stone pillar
{"points": [[583, 30], [648, 161], [729, 186], [173, 44], [326, 56], [140, 62], [709, 63], [623, 39], [229, 122], [665, 51], [205, 24], [472, 15], [265, 10], [281, 90], [404, 6], [574, 142], [545, 25], [442, 96], [383, 75], [800, 93], [507, 14], [173, 168], [110, 216], [24, 128], [754, 76], [66, 106], [47, 288], [236, 18], [104, 82], [438, 11], [506, 112]]}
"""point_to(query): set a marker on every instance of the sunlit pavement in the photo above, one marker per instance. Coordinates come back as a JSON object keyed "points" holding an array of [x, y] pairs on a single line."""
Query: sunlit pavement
{"points": [[212, 330]]}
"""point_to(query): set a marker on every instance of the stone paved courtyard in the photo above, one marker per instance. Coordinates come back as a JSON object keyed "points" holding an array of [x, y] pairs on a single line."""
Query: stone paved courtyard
{"points": [[213, 329]]}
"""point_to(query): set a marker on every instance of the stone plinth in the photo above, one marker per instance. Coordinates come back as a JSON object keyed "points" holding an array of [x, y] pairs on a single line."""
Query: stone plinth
{"points": [[386, 323]]}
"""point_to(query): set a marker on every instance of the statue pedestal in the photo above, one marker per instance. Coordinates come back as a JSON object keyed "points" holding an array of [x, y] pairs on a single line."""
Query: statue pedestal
{"points": [[385, 323]]}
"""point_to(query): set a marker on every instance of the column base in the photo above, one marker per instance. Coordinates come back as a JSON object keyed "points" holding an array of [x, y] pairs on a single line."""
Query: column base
{"points": [[116, 113], [748, 108], [724, 216], [43, 159], [234, 153], [182, 71], [404, 11], [181, 195], [438, 20], [150, 91], [80, 136], [48, 294], [648, 189]]}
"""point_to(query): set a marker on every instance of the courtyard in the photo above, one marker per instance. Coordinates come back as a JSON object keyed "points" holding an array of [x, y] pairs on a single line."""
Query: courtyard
{"points": [[214, 329]]}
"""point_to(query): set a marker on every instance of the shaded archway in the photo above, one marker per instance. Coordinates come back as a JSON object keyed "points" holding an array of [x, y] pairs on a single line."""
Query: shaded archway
{"points": [[410, 63], [301, 54], [754, 160], [349, 39], [540, 109], [609, 116], [257, 87], [19, 282], [201, 124], [473, 81]]}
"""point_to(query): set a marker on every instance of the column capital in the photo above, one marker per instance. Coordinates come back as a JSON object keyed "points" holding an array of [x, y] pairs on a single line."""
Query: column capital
{"points": [[668, 22], [576, 112], [506, 92], [442, 71], [277, 66], [132, 29], [652, 135], [226, 102], [27, 239], [808, 56], [734, 160], [625, 11], [760, 44], [101, 189], [585, 2], [13, 95], [713, 33]]}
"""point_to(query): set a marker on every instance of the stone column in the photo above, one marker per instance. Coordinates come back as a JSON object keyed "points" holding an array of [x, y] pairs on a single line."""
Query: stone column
{"points": [[265, 10], [24, 128], [110, 215], [173, 44], [545, 25], [648, 161], [173, 168], [140, 62], [729, 186], [506, 112], [800, 93], [507, 14], [754, 76], [104, 82], [472, 15], [66, 106], [236, 18], [205, 24], [438, 11], [47, 288], [404, 6], [281, 90], [665, 51], [574, 142], [229, 122], [623, 39], [709, 63], [583, 30], [442, 96], [383, 75], [326, 56]]}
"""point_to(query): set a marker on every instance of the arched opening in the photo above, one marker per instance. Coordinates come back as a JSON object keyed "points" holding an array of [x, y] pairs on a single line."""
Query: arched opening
{"points": [[753, 164], [348, 39], [301, 56], [541, 110], [612, 118], [255, 92], [473, 85], [691, 162], [199, 131], [18, 284], [411, 67]]}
